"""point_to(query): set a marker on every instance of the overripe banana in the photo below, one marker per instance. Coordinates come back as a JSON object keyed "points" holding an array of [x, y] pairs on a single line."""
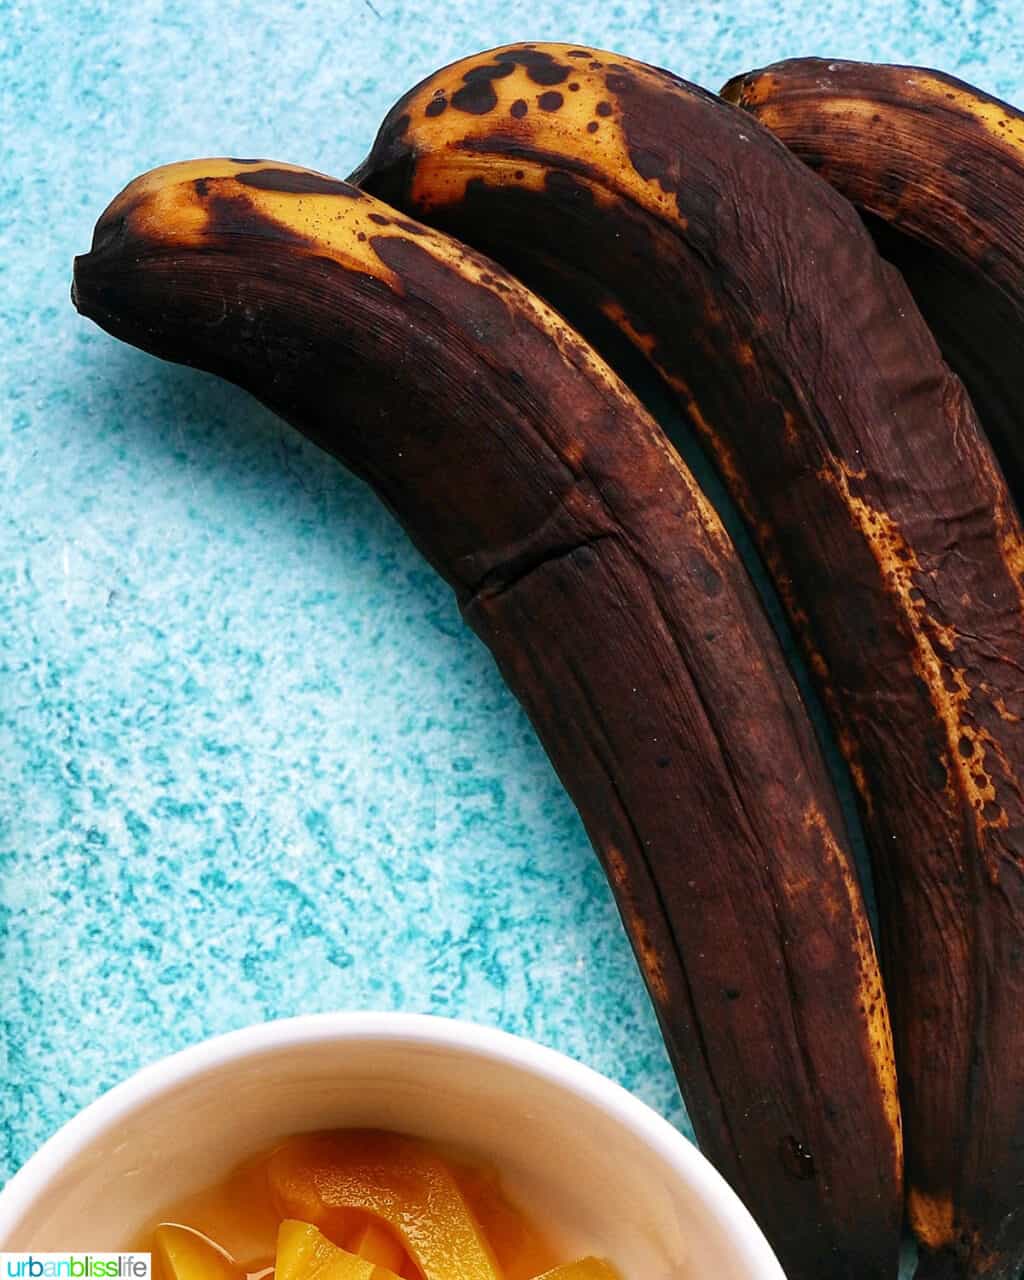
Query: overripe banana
{"points": [[583, 553], [630, 196], [937, 168]]}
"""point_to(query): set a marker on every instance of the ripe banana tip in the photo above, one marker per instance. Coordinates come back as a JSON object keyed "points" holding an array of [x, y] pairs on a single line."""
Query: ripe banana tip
{"points": [[88, 289], [748, 88], [81, 294], [388, 171], [732, 90], [87, 274]]}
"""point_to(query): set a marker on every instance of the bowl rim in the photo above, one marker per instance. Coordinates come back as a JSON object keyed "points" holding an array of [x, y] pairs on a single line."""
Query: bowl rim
{"points": [[150, 1083]]}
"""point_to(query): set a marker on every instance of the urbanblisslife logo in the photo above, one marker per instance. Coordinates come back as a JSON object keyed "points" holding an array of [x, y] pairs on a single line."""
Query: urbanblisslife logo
{"points": [[75, 1266]]}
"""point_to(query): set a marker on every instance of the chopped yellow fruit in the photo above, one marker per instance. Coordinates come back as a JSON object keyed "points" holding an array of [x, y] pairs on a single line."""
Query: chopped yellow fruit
{"points": [[377, 1243], [188, 1255], [393, 1178], [585, 1269], [304, 1253]]}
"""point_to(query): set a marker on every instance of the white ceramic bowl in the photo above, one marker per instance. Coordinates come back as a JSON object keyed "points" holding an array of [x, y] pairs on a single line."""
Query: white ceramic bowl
{"points": [[601, 1170]]}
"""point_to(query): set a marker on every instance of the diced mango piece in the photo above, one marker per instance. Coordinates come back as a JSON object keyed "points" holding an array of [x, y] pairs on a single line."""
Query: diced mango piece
{"points": [[187, 1255], [520, 1247], [304, 1253], [584, 1269], [377, 1243], [396, 1179]]}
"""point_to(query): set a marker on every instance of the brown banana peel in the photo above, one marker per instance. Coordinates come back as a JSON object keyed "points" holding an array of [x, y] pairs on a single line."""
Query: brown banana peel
{"points": [[626, 195], [936, 167], [585, 556]]}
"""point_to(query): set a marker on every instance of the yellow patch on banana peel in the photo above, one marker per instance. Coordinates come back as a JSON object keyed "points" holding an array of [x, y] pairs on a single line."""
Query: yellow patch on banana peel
{"points": [[872, 995], [577, 115], [947, 685], [931, 1218], [178, 204], [648, 952], [1005, 127], [920, 89]]}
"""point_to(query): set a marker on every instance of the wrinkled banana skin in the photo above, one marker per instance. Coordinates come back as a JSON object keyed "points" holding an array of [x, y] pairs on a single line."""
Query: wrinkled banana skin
{"points": [[936, 167], [585, 556], [633, 199]]}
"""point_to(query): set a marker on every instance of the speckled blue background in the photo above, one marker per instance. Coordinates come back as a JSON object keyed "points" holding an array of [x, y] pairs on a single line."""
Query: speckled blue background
{"points": [[252, 764]]}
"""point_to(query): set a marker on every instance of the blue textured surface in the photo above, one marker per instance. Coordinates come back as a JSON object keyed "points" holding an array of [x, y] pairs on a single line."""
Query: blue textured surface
{"points": [[252, 764]]}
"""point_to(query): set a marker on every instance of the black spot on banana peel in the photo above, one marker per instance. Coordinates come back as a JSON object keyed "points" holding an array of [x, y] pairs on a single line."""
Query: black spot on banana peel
{"points": [[585, 556], [937, 167], [856, 457]]}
